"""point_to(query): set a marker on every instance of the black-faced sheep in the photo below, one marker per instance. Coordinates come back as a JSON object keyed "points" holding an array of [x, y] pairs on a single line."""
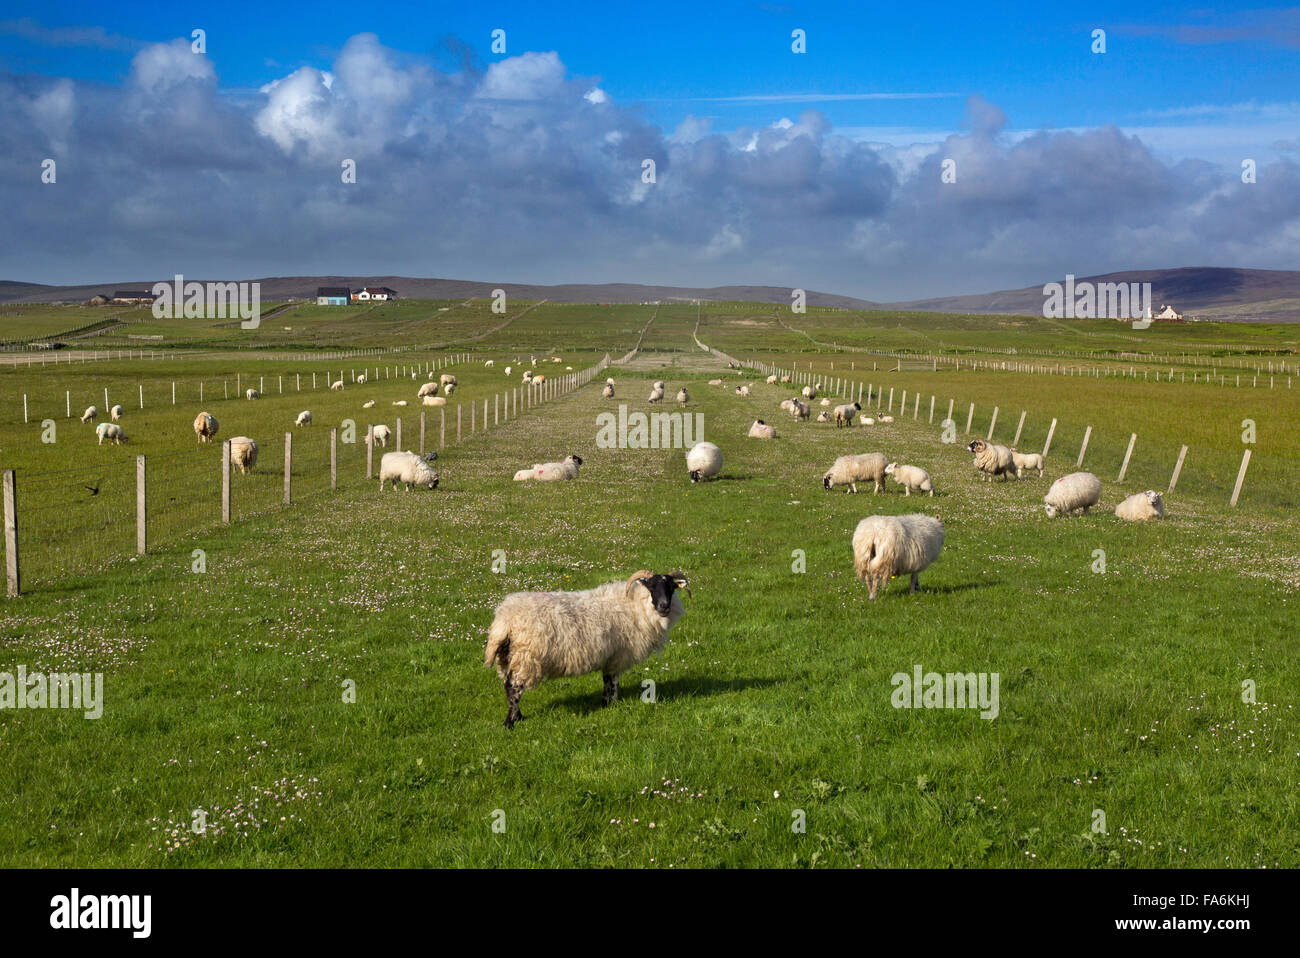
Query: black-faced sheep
{"points": [[703, 461], [886, 546], [844, 414], [761, 430], [991, 460]]}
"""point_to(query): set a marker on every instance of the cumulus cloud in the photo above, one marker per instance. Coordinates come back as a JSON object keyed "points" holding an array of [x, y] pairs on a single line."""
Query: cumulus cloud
{"points": [[526, 172]]}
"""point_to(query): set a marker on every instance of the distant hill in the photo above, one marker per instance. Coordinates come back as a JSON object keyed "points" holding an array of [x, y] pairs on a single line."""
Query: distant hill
{"points": [[1200, 292], [304, 287]]}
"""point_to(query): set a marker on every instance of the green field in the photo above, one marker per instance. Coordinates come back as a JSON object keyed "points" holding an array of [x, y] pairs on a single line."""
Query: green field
{"points": [[1121, 691]]}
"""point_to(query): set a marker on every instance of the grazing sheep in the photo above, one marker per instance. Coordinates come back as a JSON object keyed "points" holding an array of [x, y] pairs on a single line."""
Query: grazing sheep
{"points": [[850, 470], [243, 453], [703, 461], [771, 379], [90, 414], [1078, 490], [810, 392], [367, 404], [910, 477], [886, 546], [785, 379], [337, 385], [1141, 506], [406, 468], [660, 385], [428, 389], [380, 435], [509, 369], [110, 431], [361, 380], [742, 390], [823, 416], [1026, 460], [448, 389], [490, 362], [116, 413], [800, 410], [528, 376], [656, 395], [446, 378], [608, 391], [434, 401], [252, 394], [683, 397], [304, 418], [539, 379], [551, 471], [844, 414], [991, 460], [761, 430], [399, 402], [541, 635], [205, 427]]}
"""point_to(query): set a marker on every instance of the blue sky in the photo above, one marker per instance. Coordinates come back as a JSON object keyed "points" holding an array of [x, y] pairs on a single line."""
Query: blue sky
{"points": [[881, 92]]}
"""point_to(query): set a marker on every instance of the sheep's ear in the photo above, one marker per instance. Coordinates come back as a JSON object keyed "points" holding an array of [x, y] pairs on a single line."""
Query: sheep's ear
{"points": [[680, 580]]}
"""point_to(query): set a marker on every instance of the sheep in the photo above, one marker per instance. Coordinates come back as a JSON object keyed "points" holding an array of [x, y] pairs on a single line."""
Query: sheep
{"points": [[610, 381], [809, 392], [800, 410], [406, 468], [243, 453], [90, 414], [434, 401], [844, 414], [787, 405], [446, 378], [825, 402], [528, 376], [715, 382], [551, 471], [252, 394], [448, 389], [1021, 461], [910, 477], [399, 402], [742, 390], [656, 395], [539, 379], [1141, 506], [205, 427], [490, 362], [380, 434], [785, 379], [304, 418], [540, 635], [823, 416], [361, 380], [850, 470], [110, 431], [683, 397], [607, 391], [116, 413], [337, 385], [991, 460], [428, 389], [761, 430], [868, 421], [1078, 490], [703, 461], [509, 369], [367, 404], [771, 379], [886, 546], [660, 385], [885, 418]]}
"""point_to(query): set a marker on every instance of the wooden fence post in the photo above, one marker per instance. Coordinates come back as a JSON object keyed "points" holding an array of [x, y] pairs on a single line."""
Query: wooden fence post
{"points": [[949, 416], [1178, 467], [141, 541], [970, 415], [370, 450], [496, 410], [442, 428], [12, 578], [288, 465], [1051, 430], [992, 423], [421, 432], [1020, 427], [458, 422], [225, 482], [399, 432], [334, 458], [1241, 477], [932, 409], [1087, 434], [1124, 468]]}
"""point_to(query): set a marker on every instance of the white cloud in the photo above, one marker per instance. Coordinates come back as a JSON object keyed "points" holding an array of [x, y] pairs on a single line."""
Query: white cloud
{"points": [[161, 66]]}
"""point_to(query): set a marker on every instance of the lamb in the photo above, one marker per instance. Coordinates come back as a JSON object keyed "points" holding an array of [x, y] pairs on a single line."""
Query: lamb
{"points": [[380, 434], [1141, 506], [761, 430], [90, 414], [800, 410], [771, 379], [991, 460], [823, 416], [448, 389], [910, 477], [551, 471], [509, 369], [116, 413], [304, 418], [703, 461], [608, 391], [886, 546], [399, 402], [252, 394], [539, 379], [810, 392], [1026, 460], [367, 404], [785, 379], [110, 431], [528, 376], [490, 362], [844, 414], [406, 468], [1078, 490], [540, 635], [868, 421], [434, 401], [683, 397], [660, 385], [825, 402], [361, 380], [337, 385], [243, 453], [885, 418], [205, 427], [850, 470], [428, 389], [742, 390]]}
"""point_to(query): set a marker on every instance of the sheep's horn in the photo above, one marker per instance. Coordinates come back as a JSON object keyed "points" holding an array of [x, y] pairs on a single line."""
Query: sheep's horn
{"points": [[682, 582], [636, 577]]}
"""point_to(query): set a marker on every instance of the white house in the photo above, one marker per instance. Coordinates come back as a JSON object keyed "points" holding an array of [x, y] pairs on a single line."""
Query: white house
{"points": [[1166, 312]]}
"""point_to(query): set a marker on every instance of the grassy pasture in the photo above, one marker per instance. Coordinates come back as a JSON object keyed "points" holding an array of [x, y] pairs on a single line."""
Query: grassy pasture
{"points": [[1120, 690]]}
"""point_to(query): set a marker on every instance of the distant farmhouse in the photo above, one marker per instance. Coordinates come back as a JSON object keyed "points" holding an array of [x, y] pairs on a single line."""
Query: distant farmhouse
{"points": [[341, 295], [131, 297], [373, 292], [1165, 313]]}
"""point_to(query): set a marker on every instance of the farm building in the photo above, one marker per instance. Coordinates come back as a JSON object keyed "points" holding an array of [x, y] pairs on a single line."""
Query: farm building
{"points": [[373, 292], [332, 296], [1166, 313], [132, 297]]}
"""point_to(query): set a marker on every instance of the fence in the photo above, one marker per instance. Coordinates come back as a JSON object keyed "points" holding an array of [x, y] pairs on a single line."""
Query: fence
{"points": [[61, 524]]}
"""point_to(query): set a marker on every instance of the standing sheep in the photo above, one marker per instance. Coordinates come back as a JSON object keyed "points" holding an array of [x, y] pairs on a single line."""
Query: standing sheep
{"points": [[110, 431], [252, 394], [742, 390], [910, 477], [656, 395], [771, 380], [116, 413], [551, 471], [448, 379], [683, 397], [304, 418], [380, 434], [785, 379], [448, 389], [800, 410], [844, 414], [990, 460], [1078, 490], [1141, 506], [886, 546], [761, 430], [850, 470], [337, 385], [540, 635], [361, 380], [205, 427], [810, 392], [428, 389], [508, 369], [243, 453], [703, 461], [90, 414], [608, 391], [1026, 460], [406, 468]]}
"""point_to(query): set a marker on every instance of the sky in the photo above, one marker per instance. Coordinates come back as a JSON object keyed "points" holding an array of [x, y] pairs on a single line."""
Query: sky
{"points": [[905, 151]]}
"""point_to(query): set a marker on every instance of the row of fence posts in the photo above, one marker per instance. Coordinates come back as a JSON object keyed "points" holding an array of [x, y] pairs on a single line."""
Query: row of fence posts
{"points": [[840, 387]]}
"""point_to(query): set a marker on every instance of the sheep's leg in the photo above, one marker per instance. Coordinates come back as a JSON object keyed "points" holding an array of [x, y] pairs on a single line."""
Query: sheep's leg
{"points": [[513, 692], [610, 695], [916, 582], [907, 490]]}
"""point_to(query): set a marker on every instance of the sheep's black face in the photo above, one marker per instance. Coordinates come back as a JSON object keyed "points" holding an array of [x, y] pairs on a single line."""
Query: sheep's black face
{"points": [[826, 483], [975, 445], [695, 475], [577, 460], [661, 588]]}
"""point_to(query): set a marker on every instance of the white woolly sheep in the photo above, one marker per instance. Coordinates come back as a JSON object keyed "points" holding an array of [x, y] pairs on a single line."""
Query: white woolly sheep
{"points": [[399, 402], [610, 381], [787, 405], [116, 413], [551, 471], [448, 389], [361, 380], [785, 379], [761, 430], [380, 434], [541, 635], [742, 390], [886, 546], [660, 385], [337, 385], [205, 427], [1078, 490], [771, 379], [868, 421], [434, 401], [910, 477], [1026, 460], [885, 418], [850, 470], [110, 431], [508, 370], [844, 414], [800, 410], [825, 402], [91, 413], [991, 460], [809, 392], [243, 453], [252, 394], [428, 389], [607, 391], [446, 378], [304, 418], [703, 461], [490, 362], [656, 395], [683, 397], [367, 404], [1141, 506], [539, 379], [823, 416], [715, 382], [406, 468]]}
